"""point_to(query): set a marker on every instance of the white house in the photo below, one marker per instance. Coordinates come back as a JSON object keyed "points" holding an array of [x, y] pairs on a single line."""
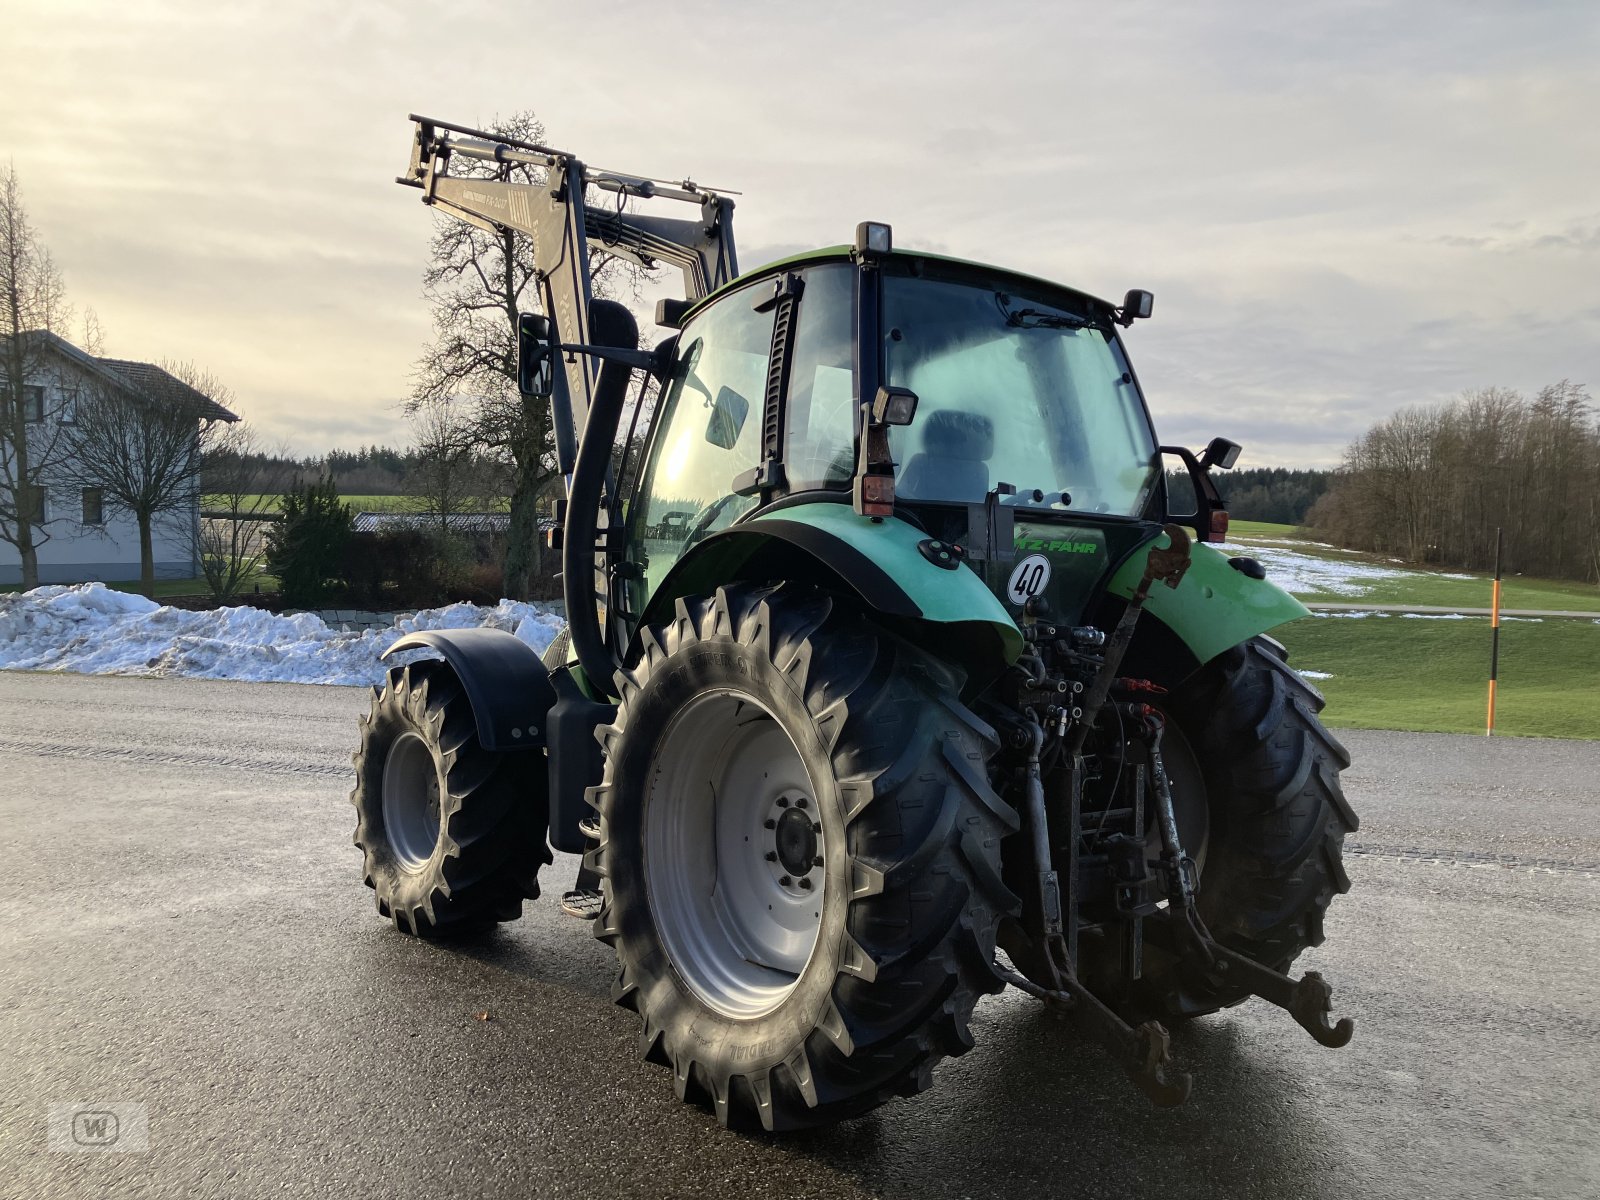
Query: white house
{"points": [[83, 536]]}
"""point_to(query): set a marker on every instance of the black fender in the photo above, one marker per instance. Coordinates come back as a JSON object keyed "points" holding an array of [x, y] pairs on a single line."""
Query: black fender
{"points": [[508, 686]]}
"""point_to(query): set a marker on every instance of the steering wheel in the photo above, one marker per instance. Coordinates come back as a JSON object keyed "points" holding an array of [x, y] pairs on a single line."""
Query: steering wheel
{"points": [[708, 518]]}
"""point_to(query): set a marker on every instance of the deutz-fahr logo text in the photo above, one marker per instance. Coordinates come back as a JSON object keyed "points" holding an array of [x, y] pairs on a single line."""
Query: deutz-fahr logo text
{"points": [[1058, 545]]}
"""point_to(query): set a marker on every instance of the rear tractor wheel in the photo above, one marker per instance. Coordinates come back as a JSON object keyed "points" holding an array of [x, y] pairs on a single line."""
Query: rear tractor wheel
{"points": [[452, 835], [801, 857], [1268, 780]]}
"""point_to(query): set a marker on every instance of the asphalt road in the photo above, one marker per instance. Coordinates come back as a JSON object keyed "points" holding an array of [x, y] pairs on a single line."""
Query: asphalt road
{"points": [[185, 927]]}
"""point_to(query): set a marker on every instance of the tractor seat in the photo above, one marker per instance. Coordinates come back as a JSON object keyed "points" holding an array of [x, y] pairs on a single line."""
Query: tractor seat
{"points": [[953, 464]]}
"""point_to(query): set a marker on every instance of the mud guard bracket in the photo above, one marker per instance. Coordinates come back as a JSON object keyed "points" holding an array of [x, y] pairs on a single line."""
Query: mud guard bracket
{"points": [[506, 683]]}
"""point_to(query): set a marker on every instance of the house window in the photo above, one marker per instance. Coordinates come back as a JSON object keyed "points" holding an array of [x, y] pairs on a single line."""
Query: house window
{"points": [[32, 402], [32, 503], [93, 506], [69, 405]]}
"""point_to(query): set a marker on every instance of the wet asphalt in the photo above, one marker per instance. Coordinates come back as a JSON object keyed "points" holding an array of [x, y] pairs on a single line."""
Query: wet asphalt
{"points": [[185, 927]]}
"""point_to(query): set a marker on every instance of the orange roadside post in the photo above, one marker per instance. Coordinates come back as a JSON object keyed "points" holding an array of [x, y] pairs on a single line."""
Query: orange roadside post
{"points": [[1494, 633]]}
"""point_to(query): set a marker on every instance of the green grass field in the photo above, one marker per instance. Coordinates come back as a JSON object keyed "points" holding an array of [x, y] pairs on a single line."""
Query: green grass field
{"points": [[1423, 673], [1396, 672], [357, 502]]}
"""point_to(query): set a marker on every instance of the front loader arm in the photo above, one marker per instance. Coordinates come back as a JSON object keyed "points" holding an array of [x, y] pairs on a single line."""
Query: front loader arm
{"points": [[560, 221]]}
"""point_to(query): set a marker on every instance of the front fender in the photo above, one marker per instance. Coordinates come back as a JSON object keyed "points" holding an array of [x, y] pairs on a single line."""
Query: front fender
{"points": [[1215, 607], [827, 543], [505, 682]]}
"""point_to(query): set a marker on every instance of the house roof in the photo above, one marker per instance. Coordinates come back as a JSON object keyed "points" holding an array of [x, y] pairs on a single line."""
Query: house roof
{"points": [[145, 380], [478, 522], [150, 380]]}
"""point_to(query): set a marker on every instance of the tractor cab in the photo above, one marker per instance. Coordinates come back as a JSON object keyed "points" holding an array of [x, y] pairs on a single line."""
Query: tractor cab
{"points": [[990, 410]]}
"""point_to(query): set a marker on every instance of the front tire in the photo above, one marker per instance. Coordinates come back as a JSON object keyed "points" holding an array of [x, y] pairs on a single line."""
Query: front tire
{"points": [[452, 835], [787, 999]]}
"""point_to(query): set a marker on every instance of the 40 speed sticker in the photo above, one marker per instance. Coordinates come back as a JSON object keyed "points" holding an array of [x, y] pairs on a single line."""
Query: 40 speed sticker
{"points": [[1029, 578]]}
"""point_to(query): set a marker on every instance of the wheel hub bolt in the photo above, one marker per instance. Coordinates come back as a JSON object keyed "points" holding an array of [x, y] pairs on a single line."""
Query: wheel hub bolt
{"points": [[806, 883], [786, 881], [772, 856]]}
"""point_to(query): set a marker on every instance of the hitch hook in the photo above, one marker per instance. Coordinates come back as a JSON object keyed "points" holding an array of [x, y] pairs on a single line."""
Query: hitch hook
{"points": [[1310, 1005]]}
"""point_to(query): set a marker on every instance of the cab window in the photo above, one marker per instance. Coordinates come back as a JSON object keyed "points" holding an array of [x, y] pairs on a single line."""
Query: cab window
{"points": [[822, 397], [707, 433]]}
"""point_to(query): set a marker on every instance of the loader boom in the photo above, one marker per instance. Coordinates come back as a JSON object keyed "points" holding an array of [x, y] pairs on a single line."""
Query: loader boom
{"points": [[562, 221]]}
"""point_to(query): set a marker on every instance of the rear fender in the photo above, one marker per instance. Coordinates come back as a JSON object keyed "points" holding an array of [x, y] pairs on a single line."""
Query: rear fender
{"points": [[1215, 607], [507, 685], [950, 611]]}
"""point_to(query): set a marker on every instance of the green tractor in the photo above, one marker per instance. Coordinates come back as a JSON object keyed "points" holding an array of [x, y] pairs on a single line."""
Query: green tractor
{"points": [[893, 673]]}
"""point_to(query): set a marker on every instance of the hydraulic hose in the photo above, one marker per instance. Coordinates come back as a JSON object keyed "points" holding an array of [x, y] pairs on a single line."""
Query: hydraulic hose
{"points": [[610, 324]]}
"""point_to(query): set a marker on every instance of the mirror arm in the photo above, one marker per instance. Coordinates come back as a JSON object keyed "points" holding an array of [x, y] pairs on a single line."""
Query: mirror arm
{"points": [[642, 360], [1211, 523]]}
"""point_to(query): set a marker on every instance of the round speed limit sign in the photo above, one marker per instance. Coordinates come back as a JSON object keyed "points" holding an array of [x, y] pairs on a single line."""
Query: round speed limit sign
{"points": [[1029, 578]]}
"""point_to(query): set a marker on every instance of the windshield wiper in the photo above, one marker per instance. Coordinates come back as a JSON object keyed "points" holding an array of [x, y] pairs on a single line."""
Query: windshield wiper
{"points": [[1033, 318], [1038, 318]]}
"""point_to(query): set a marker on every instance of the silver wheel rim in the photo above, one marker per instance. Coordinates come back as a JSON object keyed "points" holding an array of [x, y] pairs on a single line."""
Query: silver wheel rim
{"points": [[411, 801], [733, 853]]}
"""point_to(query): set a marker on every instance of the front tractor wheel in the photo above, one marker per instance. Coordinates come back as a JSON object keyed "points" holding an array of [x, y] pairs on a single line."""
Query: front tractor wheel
{"points": [[801, 855], [452, 835]]}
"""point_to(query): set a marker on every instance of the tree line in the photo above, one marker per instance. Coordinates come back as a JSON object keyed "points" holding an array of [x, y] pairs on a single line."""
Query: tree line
{"points": [[369, 471], [1278, 494], [1431, 485]]}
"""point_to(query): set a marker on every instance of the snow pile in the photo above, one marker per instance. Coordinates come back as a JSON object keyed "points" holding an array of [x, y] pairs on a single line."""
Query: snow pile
{"points": [[92, 630], [1305, 574]]}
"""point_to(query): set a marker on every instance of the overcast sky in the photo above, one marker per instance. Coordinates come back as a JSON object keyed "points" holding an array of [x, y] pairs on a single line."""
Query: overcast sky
{"points": [[1341, 208]]}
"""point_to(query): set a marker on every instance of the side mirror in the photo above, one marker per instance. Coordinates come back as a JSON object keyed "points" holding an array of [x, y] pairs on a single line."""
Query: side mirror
{"points": [[728, 413], [1221, 454], [669, 312], [536, 356]]}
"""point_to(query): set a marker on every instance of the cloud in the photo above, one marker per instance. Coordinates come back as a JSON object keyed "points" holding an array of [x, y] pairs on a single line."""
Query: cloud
{"points": [[1341, 207]]}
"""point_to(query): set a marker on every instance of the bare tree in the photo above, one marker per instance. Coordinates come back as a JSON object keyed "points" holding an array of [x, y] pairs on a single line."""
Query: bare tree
{"points": [[94, 334], [143, 448], [32, 308], [450, 472], [241, 487], [477, 283], [1434, 485]]}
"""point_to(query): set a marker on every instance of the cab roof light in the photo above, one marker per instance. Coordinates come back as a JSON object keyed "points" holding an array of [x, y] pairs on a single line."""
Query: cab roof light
{"points": [[1136, 306], [874, 237], [894, 406]]}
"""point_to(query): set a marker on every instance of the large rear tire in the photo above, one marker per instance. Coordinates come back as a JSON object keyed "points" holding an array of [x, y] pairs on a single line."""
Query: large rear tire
{"points": [[452, 835], [801, 857], [1278, 820]]}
